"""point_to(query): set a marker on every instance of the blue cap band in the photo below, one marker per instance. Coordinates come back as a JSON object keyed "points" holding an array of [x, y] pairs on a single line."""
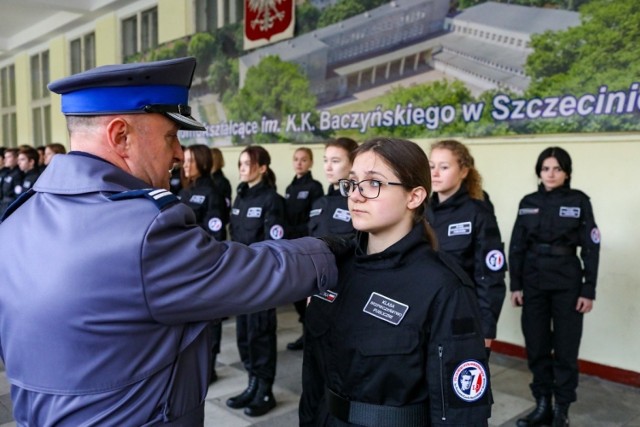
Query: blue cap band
{"points": [[121, 99]]}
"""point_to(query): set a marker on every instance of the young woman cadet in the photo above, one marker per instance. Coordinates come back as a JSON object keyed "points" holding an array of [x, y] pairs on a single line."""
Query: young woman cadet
{"points": [[553, 287], [397, 342], [257, 215], [466, 227], [299, 196], [330, 214], [210, 209]]}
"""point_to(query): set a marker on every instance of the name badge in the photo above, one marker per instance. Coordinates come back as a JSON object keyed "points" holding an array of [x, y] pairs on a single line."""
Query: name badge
{"points": [[254, 212], [328, 296], [342, 215], [197, 199], [569, 212], [303, 195], [459, 229], [528, 211], [385, 308], [315, 212]]}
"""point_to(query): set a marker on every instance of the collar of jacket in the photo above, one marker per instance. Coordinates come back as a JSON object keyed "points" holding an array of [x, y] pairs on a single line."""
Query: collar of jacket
{"points": [[456, 199], [245, 191], [303, 179], [560, 190], [394, 255], [82, 173]]}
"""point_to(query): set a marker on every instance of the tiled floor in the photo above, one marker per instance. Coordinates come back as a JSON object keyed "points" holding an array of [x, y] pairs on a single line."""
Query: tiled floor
{"points": [[600, 403]]}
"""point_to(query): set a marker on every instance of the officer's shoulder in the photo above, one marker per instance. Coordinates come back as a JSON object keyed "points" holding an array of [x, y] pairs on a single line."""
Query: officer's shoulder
{"points": [[580, 193], [160, 197]]}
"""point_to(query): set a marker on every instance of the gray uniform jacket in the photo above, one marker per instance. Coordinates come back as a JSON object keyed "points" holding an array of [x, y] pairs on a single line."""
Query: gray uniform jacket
{"points": [[105, 303]]}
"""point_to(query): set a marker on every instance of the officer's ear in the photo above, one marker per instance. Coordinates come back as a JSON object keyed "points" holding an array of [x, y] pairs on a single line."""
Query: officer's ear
{"points": [[117, 132]]}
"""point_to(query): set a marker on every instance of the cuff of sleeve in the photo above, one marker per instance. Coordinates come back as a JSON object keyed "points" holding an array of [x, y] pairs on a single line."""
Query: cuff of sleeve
{"points": [[588, 291]]}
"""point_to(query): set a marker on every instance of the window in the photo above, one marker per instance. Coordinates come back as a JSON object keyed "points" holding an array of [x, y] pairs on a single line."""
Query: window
{"points": [[140, 32], [40, 100], [83, 53], [8, 106], [206, 15]]}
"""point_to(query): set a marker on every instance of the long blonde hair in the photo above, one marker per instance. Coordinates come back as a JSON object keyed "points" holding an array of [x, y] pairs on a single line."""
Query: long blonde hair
{"points": [[473, 181]]}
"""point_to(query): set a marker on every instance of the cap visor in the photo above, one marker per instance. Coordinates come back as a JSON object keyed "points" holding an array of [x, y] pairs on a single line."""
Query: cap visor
{"points": [[185, 122]]}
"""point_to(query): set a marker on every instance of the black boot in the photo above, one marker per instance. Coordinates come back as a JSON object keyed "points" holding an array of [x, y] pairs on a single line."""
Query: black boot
{"points": [[560, 415], [297, 344], [244, 398], [540, 416], [263, 401]]}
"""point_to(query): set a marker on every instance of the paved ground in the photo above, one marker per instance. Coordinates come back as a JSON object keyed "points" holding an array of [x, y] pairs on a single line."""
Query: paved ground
{"points": [[600, 403]]}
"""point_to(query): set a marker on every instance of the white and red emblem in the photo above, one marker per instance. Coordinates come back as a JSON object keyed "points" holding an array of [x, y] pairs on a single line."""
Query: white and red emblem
{"points": [[469, 380], [494, 260], [267, 21], [595, 235], [276, 232]]}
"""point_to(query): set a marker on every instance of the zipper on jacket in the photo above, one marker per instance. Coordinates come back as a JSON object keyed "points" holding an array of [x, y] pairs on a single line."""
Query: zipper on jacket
{"points": [[444, 412]]}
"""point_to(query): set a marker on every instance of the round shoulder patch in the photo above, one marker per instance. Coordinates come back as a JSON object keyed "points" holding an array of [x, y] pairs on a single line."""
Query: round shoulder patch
{"points": [[215, 224], [595, 235], [494, 260], [470, 380], [276, 232]]}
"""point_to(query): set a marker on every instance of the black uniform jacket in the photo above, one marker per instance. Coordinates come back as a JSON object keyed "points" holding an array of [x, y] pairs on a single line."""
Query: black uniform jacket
{"points": [[224, 187], [467, 229], [299, 197], [209, 206], [549, 228], [330, 215], [257, 214], [396, 331]]}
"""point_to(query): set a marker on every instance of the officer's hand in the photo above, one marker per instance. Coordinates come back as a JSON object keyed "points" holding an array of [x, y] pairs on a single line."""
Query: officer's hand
{"points": [[517, 298], [340, 246]]}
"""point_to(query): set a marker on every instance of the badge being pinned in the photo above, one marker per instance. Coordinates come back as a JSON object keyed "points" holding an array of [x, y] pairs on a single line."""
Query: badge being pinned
{"points": [[469, 380]]}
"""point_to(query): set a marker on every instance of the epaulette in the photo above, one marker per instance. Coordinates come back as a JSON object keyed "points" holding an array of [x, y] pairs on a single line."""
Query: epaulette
{"points": [[453, 265], [159, 196], [17, 203]]}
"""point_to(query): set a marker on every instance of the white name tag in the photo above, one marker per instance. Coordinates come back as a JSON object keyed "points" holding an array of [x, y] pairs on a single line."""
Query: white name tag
{"points": [[342, 215], [197, 199], [315, 212], [303, 195], [254, 212], [528, 211], [385, 308], [459, 229], [569, 212]]}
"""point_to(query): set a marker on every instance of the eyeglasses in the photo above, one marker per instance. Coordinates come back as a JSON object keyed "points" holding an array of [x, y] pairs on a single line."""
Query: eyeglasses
{"points": [[368, 188]]}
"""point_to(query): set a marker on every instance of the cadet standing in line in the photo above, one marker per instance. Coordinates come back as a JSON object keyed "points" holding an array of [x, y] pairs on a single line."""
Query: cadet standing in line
{"points": [[219, 180], [553, 286], [392, 344], [466, 228], [11, 180], [330, 214], [104, 316], [257, 215], [299, 196], [28, 158]]}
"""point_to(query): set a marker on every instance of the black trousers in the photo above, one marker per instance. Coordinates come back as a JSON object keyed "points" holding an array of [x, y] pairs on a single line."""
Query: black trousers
{"points": [[301, 309], [552, 331], [257, 343]]}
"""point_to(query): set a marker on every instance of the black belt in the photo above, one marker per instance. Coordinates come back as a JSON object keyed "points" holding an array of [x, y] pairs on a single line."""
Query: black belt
{"points": [[547, 249], [370, 415]]}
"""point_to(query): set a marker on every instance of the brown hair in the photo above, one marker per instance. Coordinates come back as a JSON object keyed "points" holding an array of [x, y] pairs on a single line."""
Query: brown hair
{"points": [[306, 150], [202, 157], [218, 159], [56, 147], [260, 157], [347, 144], [410, 164], [473, 181]]}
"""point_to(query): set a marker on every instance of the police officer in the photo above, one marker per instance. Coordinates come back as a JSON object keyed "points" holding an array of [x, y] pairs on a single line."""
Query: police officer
{"points": [[392, 344], [11, 180], [299, 196], [257, 215], [329, 214], [466, 228], [551, 283], [104, 317]]}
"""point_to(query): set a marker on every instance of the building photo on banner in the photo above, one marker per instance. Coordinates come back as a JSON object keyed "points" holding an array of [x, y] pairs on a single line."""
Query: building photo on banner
{"points": [[538, 100]]}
